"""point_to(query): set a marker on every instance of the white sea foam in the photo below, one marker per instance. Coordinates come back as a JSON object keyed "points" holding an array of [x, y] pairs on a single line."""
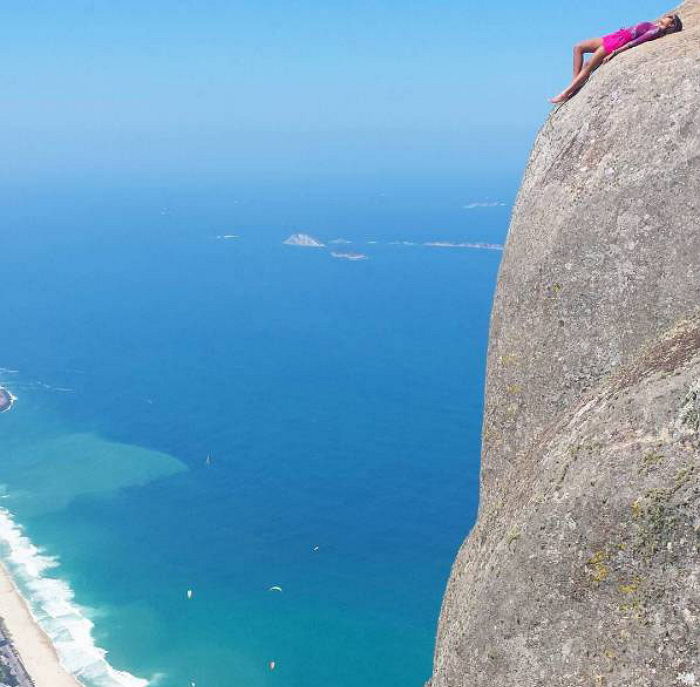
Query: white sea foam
{"points": [[38, 384], [51, 602], [49, 387], [465, 244], [484, 204], [349, 256]]}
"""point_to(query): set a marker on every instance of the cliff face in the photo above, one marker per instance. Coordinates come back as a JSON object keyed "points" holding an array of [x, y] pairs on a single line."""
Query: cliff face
{"points": [[584, 565]]}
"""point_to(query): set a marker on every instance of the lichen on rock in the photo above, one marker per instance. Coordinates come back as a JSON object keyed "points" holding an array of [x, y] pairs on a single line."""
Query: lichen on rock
{"points": [[689, 415]]}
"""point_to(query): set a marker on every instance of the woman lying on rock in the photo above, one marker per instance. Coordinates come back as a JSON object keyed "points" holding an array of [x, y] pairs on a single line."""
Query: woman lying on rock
{"points": [[605, 48]]}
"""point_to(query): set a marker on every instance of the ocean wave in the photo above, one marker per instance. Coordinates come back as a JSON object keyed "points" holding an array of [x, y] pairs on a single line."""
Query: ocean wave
{"points": [[51, 603]]}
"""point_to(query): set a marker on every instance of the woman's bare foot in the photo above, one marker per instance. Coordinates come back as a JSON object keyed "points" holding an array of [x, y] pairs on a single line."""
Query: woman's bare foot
{"points": [[561, 98]]}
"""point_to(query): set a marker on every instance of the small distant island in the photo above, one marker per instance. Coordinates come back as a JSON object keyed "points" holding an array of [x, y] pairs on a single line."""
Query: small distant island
{"points": [[303, 240], [6, 399], [349, 256]]}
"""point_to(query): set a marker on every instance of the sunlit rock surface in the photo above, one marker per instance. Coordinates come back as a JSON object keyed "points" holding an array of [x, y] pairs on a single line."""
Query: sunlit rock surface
{"points": [[584, 565]]}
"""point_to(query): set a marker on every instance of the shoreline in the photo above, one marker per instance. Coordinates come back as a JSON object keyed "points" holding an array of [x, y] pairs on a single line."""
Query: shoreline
{"points": [[30, 642]]}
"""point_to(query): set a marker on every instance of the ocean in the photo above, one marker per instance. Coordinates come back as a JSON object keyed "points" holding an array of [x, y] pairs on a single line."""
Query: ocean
{"points": [[235, 462]]}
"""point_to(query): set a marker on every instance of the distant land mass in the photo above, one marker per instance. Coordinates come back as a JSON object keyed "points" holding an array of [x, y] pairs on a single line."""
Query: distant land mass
{"points": [[6, 399], [303, 240]]}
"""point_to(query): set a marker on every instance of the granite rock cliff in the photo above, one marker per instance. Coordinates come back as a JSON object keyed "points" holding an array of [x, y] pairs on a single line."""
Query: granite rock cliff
{"points": [[584, 565]]}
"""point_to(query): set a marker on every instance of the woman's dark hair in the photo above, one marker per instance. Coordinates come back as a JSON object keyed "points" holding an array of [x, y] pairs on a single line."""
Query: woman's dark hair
{"points": [[677, 24]]}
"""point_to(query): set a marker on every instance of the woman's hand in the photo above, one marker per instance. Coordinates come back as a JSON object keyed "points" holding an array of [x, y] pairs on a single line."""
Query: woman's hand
{"points": [[609, 57]]}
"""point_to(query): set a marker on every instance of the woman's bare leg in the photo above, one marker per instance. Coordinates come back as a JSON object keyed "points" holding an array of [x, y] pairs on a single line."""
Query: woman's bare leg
{"points": [[587, 69], [580, 49]]}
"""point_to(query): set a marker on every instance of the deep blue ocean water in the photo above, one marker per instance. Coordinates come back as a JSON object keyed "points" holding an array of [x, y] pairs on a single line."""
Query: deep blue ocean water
{"points": [[339, 402]]}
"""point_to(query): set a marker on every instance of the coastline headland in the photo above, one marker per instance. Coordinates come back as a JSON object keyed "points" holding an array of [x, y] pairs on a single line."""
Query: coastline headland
{"points": [[7, 400], [28, 657]]}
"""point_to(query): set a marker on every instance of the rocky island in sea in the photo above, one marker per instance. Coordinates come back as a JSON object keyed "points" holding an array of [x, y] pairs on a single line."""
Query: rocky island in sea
{"points": [[303, 240], [6, 399]]}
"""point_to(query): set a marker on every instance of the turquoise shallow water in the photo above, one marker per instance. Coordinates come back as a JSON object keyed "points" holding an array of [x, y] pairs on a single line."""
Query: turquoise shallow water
{"points": [[340, 403]]}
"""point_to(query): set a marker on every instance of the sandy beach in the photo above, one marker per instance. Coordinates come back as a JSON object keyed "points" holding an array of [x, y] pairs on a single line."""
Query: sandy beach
{"points": [[34, 647]]}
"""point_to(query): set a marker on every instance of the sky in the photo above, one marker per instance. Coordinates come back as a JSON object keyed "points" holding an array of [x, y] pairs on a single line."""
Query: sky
{"points": [[134, 91]]}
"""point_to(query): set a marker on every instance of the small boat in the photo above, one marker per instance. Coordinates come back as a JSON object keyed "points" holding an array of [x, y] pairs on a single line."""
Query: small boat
{"points": [[189, 593]]}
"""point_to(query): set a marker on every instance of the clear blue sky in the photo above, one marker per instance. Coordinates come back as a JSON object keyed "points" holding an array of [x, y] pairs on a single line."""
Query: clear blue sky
{"points": [[145, 89]]}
